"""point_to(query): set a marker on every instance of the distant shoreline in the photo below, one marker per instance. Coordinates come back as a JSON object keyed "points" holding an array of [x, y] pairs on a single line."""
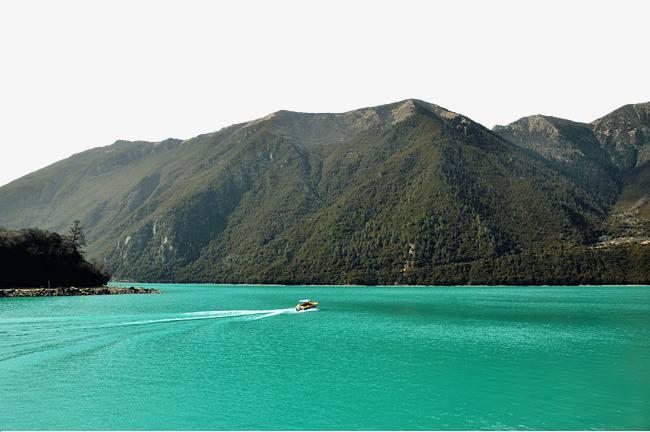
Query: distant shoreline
{"points": [[378, 286], [74, 291]]}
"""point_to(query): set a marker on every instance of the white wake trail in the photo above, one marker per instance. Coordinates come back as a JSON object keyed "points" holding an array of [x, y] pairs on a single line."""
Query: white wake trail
{"points": [[191, 316], [275, 312]]}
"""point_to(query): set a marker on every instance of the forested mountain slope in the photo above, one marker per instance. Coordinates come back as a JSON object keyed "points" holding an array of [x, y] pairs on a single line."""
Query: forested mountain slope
{"points": [[401, 193]]}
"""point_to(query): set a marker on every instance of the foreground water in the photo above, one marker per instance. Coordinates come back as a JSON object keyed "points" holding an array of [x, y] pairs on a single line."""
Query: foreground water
{"points": [[238, 357]]}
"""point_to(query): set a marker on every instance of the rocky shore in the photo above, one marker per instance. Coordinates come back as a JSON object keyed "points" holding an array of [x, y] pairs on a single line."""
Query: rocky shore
{"points": [[74, 291]]}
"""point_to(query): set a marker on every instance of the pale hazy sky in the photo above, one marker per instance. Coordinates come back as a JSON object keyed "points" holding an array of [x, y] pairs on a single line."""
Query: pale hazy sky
{"points": [[81, 74]]}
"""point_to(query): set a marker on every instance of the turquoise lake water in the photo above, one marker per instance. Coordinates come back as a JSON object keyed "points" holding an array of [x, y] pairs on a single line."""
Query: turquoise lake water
{"points": [[238, 357]]}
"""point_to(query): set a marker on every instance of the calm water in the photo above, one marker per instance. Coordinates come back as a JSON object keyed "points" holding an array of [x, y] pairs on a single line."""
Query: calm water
{"points": [[234, 357]]}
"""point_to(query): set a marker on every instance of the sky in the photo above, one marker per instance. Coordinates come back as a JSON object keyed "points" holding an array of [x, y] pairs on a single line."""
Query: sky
{"points": [[81, 74]]}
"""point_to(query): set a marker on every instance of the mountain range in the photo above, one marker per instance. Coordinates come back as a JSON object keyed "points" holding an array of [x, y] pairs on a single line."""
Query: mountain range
{"points": [[404, 193]]}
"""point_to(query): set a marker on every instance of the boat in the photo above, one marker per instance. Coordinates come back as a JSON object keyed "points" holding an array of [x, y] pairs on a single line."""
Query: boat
{"points": [[306, 304]]}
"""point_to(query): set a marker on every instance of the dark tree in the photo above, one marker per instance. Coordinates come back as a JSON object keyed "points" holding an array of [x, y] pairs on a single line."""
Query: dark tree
{"points": [[77, 236]]}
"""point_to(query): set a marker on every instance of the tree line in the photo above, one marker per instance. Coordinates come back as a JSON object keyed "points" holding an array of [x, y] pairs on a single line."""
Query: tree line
{"points": [[37, 258]]}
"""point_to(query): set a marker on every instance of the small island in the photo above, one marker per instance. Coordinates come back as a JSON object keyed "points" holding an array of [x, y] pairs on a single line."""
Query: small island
{"points": [[38, 263]]}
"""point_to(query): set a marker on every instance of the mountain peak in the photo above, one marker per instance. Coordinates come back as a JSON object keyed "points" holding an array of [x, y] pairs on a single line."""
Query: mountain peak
{"points": [[413, 105], [320, 128], [553, 138], [625, 134], [398, 109], [404, 110], [630, 113], [539, 123]]}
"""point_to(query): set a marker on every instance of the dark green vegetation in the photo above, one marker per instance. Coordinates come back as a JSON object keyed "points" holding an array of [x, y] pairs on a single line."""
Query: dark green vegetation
{"points": [[402, 193], [36, 258]]}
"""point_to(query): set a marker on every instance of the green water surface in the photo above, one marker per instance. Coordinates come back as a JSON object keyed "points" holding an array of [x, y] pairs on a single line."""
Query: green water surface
{"points": [[238, 357]]}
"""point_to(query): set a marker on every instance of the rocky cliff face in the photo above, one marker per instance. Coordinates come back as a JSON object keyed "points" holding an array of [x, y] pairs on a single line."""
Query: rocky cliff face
{"points": [[622, 137], [554, 138], [625, 135]]}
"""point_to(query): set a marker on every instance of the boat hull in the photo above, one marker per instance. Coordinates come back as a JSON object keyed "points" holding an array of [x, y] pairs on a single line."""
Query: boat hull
{"points": [[304, 307]]}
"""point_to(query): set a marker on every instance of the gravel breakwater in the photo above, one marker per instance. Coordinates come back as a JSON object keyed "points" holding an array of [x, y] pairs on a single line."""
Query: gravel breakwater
{"points": [[74, 291]]}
